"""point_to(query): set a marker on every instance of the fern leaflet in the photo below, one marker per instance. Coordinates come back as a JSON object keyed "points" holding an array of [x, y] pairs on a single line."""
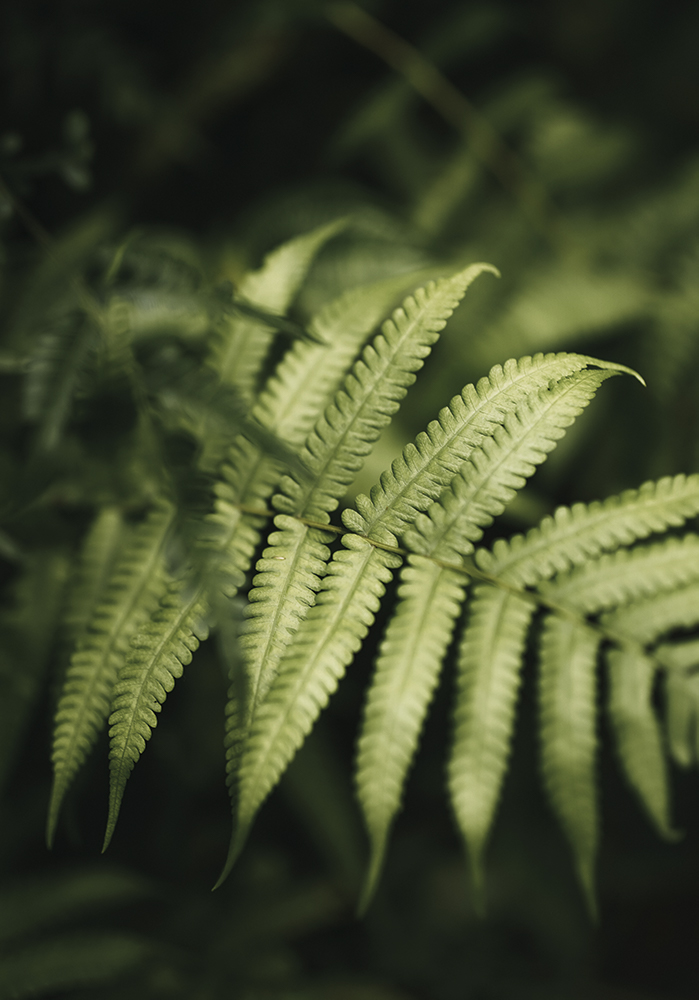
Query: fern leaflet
{"points": [[488, 667], [637, 732], [160, 650], [132, 592], [567, 681]]}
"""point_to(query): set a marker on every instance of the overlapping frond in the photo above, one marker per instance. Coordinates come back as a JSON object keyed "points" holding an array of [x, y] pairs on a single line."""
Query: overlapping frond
{"points": [[497, 468], [333, 453], [241, 342], [573, 535], [425, 468], [309, 374], [284, 429], [122, 602], [309, 673], [627, 575], [159, 653], [637, 732]]}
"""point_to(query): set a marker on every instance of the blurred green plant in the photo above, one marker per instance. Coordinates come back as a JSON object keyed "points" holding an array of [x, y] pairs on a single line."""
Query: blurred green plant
{"points": [[165, 403]]}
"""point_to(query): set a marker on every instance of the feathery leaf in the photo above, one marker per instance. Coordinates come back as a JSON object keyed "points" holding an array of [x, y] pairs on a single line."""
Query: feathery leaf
{"points": [[573, 535], [637, 732], [242, 342], [407, 671], [489, 669], [159, 652], [133, 589], [567, 715]]}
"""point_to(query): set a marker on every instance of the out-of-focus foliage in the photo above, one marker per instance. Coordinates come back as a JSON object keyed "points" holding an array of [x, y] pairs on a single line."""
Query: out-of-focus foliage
{"points": [[148, 162]]}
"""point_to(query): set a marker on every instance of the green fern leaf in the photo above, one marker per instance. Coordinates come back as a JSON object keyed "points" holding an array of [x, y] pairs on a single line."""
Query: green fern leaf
{"points": [[500, 465], [101, 547], [371, 395], [568, 711], [484, 485], [289, 404], [627, 575], [425, 468], [681, 699], [637, 732], [309, 374], [682, 714], [645, 621], [288, 575], [159, 652], [242, 342], [489, 669], [133, 589], [309, 673], [407, 671], [333, 453], [573, 535]]}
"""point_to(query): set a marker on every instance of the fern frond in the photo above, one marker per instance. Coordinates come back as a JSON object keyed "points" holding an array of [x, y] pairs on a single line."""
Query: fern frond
{"points": [[288, 574], [290, 403], [500, 465], [309, 673], [573, 535], [627, 575], [371, 395], [567, 684], [101, 547], [133, 589], [682, 711], [489, 670], [333, 453], [159, 652], [407, 671], [425, 468], [480, 491], [241, 344], [309, 374], [645, 621], [638, 738]]}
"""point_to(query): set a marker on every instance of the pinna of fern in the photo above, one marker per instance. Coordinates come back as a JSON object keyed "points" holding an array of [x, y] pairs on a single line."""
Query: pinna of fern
{"points": [[580, 577]]}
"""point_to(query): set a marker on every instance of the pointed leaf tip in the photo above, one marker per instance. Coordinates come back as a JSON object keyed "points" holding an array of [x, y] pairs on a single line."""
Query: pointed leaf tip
{"points": [[378, 854], [613, 366], [237, 844]]}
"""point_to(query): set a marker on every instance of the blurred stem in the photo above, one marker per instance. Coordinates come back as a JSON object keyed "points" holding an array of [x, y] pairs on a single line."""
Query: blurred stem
{"points": [[426, 80]]}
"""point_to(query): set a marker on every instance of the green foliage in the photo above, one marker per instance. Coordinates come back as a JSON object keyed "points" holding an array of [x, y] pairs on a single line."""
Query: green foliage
{"points": [[148, 585], [40, 953], [196, 447]]}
